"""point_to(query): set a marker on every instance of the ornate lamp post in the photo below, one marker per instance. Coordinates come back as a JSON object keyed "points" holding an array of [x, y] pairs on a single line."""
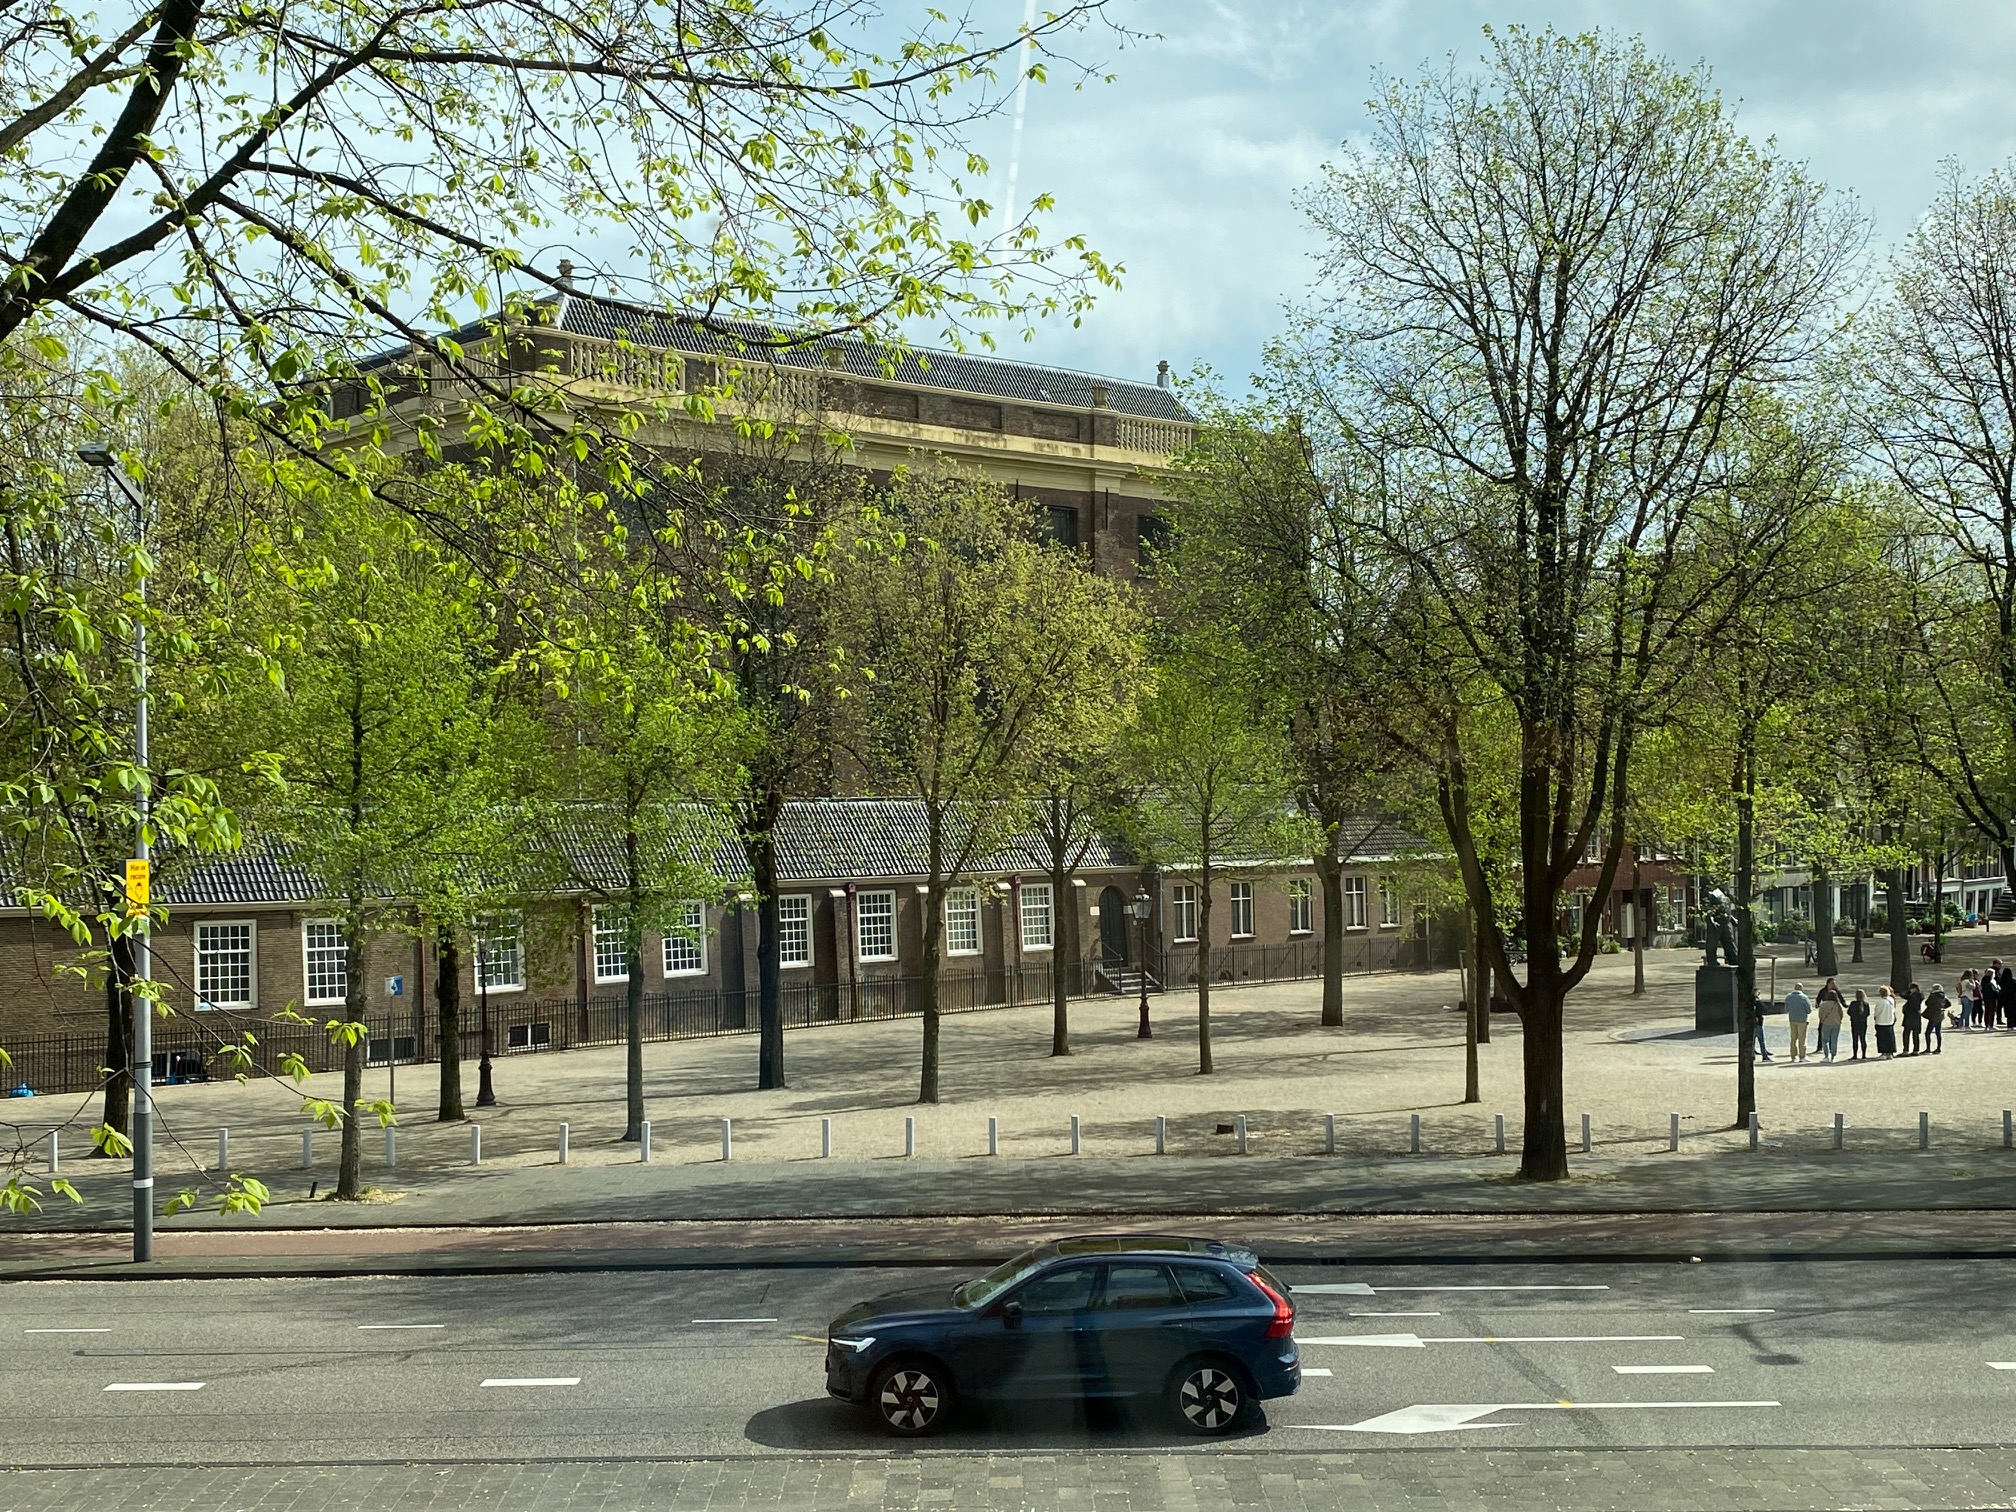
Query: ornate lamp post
{"points": [[486, 1095], [1143, 906]]}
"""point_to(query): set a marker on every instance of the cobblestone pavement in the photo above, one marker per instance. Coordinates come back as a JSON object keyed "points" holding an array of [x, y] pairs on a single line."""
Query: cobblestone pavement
{"points": [[1640, 1480]]}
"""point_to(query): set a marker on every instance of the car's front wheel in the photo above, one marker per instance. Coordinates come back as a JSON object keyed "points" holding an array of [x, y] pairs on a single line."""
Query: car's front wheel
{"points": [[911, 1398], [1207, 1396]]}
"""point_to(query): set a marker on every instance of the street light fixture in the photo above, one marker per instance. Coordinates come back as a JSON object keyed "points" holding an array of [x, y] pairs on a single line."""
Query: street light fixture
{"points": [[1143, 906], [486, 1095], [100, 456]]}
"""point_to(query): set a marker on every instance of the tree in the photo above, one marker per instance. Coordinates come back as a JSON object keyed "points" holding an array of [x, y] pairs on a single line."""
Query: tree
{"points": [[1215, 792], [1542, 288], [978, 641]]}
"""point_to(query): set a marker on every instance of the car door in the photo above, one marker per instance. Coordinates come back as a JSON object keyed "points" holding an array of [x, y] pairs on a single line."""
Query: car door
{"points": [[1043, 1325], [1218, 1313], [1135, 1335]]}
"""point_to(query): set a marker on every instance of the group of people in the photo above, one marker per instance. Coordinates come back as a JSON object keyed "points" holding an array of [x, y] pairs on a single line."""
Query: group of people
{"points": [[1985, 1000]]}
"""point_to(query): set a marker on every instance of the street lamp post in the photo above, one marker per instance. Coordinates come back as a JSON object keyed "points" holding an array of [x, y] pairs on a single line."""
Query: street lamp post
{"points": [[486, 1095], [100, 456], [1143, 904]]}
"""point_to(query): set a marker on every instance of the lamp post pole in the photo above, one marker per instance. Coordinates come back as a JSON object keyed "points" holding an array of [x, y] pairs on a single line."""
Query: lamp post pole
{"points": [[486, 1095], [1142, 905], [142, 1067]]}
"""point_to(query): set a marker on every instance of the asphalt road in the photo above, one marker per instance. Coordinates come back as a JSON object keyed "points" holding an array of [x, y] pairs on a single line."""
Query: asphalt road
{"points": [[627, 1365]]}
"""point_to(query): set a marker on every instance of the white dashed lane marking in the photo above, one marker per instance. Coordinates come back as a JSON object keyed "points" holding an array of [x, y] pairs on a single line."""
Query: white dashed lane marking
{"points": [[1664, 1369], [389, 1327], [533, 1381], [155, 1386], [64, 1330], [1713, 1310], [733, 1320]]}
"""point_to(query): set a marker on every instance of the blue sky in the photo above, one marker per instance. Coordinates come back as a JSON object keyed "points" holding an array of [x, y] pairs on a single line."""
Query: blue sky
{"points": [[1185, 167]]}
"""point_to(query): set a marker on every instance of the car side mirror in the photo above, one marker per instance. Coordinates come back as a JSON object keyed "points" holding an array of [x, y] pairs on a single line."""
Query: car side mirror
{"points": [[1011, 1314]]}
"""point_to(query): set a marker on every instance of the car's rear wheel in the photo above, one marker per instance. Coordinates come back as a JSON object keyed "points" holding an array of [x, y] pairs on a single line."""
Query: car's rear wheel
{"points": [[911, 1398], [1208, 1396]]}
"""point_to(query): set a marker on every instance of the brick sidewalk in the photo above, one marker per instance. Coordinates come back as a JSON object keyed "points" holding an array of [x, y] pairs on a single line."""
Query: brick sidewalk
{"points": [[1415, 1480]]}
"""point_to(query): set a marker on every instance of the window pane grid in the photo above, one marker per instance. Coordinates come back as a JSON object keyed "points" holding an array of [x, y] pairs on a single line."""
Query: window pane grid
{"points": [[962, 921], [327, 961], [794, 931], [875, 920], [1183, 901], [1242, 908], [685, 943], [1037, 916], [224, 965], [612, 957], [1298, 906], [1354, 902], [500, 953]]}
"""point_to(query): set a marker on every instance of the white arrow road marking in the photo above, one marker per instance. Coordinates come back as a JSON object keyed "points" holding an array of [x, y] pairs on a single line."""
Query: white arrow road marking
{"points": [[533, 1381], [1415, 1341], [1448, 1417], [1664, 1369], [155, 1386]]}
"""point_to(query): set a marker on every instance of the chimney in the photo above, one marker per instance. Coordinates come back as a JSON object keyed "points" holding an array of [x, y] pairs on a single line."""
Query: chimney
{"points": [[1099, 396], [1162, 375]]}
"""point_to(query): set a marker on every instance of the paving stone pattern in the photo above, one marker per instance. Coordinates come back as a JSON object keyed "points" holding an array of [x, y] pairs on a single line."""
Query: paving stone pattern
{"points": [[1640, 1480]]}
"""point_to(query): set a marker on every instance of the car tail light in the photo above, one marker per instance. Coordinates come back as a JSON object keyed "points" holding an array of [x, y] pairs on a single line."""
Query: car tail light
{"points": [[1284, 1315]]}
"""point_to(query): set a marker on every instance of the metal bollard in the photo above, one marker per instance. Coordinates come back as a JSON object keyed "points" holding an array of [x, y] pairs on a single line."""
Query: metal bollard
{"points": [[1673, 1131], [1585, 1133], [825, 1139], [644, 1142], [475, 1144], [1413, 1133], [1839, 1123], [55, 1153], [909, 1135], [993, 1135], [1755, 1129], [308, 1147], [1498, 1124], [1239, 1130], [1329, 1133], [1161, 1134], [391, 1148], [563, 1144], [1924, 1131], [223, 1149], [727, 1140], [1074, 1133]]}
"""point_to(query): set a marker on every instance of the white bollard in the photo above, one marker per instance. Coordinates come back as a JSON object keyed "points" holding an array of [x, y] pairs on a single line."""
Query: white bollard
{"points": [[1161, 1134], [644, 1142], [391, 1148], [563, 1144], [1755, 1129], [727, 1140], [1924, 1131], [1239, 1130], [475, 1144], [1329, 1133], [909, 1136], [223, 1149], [1839, 1123], [1413, 1133], [825, 1139], [993, 1135], [308, 1147], [1672, 1131], [1498, 1126], [55, 1153], [1074, 1133], [1585, 1133]]}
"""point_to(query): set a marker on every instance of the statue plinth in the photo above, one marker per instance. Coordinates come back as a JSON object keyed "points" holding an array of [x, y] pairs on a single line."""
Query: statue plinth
{"points": [[1715, 999]]}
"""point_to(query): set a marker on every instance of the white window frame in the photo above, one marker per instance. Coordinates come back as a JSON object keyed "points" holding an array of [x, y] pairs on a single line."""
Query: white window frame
{"points": [[603, 920], [509, 926], [1300, 906], [251, 999], [1389, 904], [1241, 903], [883, 896], [968, 899], [1044, 916], [692, 934], [1182, 902], [309, 951], [794, 909], [1354, 902]]}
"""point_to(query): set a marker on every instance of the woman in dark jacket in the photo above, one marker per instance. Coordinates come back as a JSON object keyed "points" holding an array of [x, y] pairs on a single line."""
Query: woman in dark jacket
{"points": [[1858, 1027]]}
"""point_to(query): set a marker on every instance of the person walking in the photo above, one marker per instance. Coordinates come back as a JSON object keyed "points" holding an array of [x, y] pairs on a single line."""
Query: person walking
{"points": [[1885, 1015], [1858, 1027], [1798, 1013], [1914, 1004], [1829, 1008], [1936, 1004]]}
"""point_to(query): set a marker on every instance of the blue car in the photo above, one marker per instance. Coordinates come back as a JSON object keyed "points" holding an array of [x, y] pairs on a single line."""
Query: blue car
{"points": [[1199, 1324]]}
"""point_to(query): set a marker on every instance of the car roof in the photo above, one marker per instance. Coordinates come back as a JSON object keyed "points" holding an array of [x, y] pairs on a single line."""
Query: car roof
{"points": [[1152, 1244]]}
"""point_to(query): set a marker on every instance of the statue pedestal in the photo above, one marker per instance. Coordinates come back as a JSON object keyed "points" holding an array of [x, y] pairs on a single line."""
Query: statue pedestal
{"points": [[1715, 999]]}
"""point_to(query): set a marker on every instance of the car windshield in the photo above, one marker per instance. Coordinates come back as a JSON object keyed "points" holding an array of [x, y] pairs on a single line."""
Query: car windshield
{"points": [[984, 1289]]}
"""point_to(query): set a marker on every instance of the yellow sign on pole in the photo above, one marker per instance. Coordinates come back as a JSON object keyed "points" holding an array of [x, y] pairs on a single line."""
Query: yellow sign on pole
{"points": [[136, 886]]}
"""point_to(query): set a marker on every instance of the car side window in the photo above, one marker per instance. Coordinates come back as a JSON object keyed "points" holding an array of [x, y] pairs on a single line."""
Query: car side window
{"points": [[1060, 1291], [1201, 1284], [1133, 1287]]}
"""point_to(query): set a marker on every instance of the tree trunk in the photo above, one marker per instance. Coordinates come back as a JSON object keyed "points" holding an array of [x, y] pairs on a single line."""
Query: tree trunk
{"points": [[350, 1163], [1746, 929], [1637, 929], [1544, 1144], [1901, 969], [118, 1037], [769, 963], [448, 1023], [1861, 919], [1825, 957], [1471, 1093], [927, 1081], [1060, 937], [1477, 1028], [1204, 971], [633, 1036], [1331, 871]]}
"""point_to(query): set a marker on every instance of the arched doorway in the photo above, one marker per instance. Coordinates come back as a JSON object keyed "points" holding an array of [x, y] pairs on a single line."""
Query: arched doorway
{"points": [[1114, 919]]}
